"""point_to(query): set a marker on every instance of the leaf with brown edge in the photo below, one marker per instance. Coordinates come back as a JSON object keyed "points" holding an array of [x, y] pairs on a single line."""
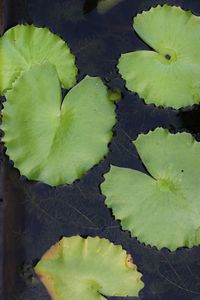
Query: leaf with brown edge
{"points": [[77, 268]]}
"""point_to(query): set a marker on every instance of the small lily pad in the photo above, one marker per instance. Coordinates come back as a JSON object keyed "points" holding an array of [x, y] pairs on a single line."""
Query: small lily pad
{"points": [[169, 74], [24, 45], [53, 141], [77, 268], [104, 6], [161, 209]]}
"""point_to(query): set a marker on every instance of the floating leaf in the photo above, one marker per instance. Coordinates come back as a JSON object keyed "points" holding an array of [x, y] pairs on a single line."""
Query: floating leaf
{"points": [[77, 268], [24, 45], [51, 141], [105, 5], [169, 75], [163, 209]]}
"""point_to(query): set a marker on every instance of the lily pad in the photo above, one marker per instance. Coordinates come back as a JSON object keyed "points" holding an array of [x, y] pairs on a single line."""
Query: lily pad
{"points": [[53, 141], [24, 45], [169, 74], [77, 268], [161, 209], [104, 6]]}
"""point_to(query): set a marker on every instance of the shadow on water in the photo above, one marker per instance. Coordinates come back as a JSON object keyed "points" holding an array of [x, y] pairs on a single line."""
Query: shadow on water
{"points": [[35, 215], [89, 6]]}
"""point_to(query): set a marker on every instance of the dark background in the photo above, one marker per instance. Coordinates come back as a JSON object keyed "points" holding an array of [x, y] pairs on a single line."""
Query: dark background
{"points": [[36, 215]]}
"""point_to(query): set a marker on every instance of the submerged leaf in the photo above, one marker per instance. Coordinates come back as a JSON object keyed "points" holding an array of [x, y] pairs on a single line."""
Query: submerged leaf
{"points": [[169, 75], [77, 268], [24, 45], [104, 6], [163, 209], [51, 141]]}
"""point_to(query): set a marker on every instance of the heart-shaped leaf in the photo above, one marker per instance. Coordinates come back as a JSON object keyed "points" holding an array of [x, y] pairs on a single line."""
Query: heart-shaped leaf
{"points": [[24, 45], [163, 209], [169, 75], [77, 268], [51, 141]]}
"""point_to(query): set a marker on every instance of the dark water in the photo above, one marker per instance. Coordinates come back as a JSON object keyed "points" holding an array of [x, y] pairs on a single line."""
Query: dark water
{"points": [[36, 215]]}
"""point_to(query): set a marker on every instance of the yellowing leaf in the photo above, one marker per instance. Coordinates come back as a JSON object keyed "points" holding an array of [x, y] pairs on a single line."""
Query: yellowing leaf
{"points": [[77, 268]]}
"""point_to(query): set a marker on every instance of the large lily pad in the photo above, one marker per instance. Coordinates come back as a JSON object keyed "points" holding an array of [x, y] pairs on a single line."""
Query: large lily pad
{"points": [[163, 209], [51, 141], [77, 268], [169, 74], [24, 45]]}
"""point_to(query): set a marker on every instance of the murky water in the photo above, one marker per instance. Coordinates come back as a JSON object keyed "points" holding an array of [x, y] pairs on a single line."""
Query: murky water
{"points": [[35, 215]]}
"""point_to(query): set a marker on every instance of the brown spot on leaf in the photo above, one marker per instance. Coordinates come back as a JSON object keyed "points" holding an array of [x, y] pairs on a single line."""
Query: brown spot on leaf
{"points": [[129, 262]]}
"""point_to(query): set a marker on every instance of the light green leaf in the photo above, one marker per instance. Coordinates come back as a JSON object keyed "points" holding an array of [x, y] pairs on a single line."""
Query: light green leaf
{"points": [[163, 209], [51, 141], [169, 75], [24, 45], [77, 268]]}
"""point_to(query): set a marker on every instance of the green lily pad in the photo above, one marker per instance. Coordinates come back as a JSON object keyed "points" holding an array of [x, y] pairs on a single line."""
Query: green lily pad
{"points": [[53, 141], [161, 209], [77, 268], [24, 45], [169, 75]]}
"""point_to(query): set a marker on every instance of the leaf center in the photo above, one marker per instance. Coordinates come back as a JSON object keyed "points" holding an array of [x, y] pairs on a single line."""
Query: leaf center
{"points": [[167, 56], [166, 185]]}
